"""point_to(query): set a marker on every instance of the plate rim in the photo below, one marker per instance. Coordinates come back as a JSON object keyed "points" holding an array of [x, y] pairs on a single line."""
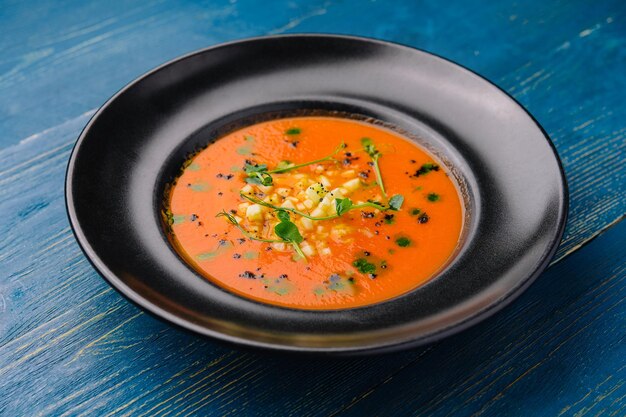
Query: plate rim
{"points": [[182, 323]]}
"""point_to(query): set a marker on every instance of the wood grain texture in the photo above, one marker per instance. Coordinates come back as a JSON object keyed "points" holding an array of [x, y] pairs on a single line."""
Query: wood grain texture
{"points": [[70, 345]]}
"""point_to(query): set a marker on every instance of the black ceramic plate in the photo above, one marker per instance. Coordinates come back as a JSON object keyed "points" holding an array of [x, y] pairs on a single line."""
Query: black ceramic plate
{"points": [[515, 190]]}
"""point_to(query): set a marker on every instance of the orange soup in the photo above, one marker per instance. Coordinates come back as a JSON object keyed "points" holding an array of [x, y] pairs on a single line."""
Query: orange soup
{"points": [[315, 213]]}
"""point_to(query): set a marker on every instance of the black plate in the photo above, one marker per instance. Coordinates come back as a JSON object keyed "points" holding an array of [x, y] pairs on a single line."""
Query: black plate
{"points": [[515, 188]]}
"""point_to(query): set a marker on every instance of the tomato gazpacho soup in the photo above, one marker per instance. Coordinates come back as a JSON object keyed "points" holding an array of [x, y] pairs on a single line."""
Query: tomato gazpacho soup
{"points": [[314, 213]]}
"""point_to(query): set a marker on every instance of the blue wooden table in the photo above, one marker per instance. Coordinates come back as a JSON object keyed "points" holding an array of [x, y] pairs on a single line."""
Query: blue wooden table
{"points": [[70, 345]]}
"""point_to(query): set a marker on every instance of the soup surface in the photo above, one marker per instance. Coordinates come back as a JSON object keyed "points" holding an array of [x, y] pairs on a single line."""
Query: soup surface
{"points": [[314, 213]]}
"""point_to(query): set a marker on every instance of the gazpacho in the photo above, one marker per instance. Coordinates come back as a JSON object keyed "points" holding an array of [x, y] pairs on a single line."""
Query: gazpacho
{"points": [[315, 213]]}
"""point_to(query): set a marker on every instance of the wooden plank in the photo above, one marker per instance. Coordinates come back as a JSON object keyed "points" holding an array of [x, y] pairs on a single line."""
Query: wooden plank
{"points": [[559, 350], [69, 344]]}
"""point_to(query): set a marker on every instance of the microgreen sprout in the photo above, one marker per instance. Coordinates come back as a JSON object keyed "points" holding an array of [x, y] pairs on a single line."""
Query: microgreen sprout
{"points": [[370, 149]]}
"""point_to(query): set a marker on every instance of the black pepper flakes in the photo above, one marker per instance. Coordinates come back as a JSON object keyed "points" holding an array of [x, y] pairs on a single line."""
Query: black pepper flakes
{"points": [[241, 240], [220, 175], [247, 275], [283, 276], [423, 218], [236, 255], [221, 242], [367, 214]]}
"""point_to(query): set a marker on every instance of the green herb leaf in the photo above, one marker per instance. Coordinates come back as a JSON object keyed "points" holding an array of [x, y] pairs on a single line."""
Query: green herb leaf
{"points": [[244, 150], [282, 215], [257, 174], [403, 241], [293, 131], [364, 266], [200, 187], [342, 205], [395, 202], [248, 168], [288, 231], [369, 147], [415, 211], [178, 218], [266, 179], [426, 168], [251, 255], [433, 197]]}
